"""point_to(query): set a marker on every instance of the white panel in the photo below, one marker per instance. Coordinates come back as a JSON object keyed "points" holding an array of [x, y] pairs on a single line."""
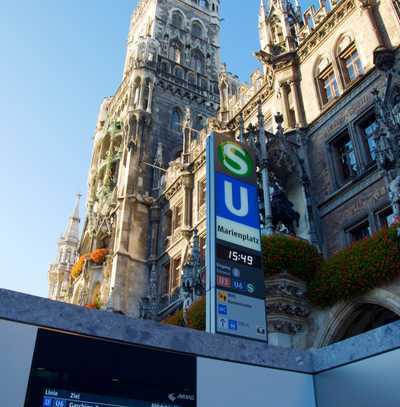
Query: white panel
{"points": [[373, 382], [17, 343], [235, 385]]}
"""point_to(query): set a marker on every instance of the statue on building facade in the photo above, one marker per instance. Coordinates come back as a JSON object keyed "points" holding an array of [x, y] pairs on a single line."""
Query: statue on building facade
{"points": [[283, 212]]}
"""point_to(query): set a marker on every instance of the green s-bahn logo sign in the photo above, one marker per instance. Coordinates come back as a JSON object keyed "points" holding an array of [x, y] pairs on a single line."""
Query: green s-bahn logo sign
{"points": [[235, 160]]}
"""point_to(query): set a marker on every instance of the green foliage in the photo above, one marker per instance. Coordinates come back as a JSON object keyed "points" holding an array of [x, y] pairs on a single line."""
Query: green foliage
{"points": [[285, 253], [357, 269]]}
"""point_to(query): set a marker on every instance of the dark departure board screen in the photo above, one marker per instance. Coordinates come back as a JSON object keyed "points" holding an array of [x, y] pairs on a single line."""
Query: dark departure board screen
{"points": [[62, 398], [76, 371]]}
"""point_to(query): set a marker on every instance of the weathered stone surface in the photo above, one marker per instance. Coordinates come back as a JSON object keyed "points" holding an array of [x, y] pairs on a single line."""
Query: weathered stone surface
{"points": [[70, 318]]}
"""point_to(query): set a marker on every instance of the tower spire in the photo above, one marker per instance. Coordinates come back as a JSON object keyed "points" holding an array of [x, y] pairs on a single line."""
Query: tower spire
{"points": [[72, 230], [263, 11]]}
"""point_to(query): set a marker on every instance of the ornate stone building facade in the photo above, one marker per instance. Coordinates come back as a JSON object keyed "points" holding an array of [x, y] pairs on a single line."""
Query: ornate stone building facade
{"points": [[313, 97]]}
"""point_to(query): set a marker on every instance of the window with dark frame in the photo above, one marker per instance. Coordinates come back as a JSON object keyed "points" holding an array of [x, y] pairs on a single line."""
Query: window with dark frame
{"points": [[176, 270], [344, 158], [386, 217], [178, 216], [359, 232], [168, 227], [165, 278], [202, 192], [351, 64], [202, 250], [328, 85], [368, 128]]}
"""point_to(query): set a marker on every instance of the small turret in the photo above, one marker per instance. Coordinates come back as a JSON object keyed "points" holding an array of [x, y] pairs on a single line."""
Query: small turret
{"points": [[66, 257], [278, 26]]}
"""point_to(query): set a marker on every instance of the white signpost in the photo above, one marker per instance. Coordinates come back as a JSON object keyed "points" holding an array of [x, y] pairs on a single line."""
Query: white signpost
{"points": [[235, 280]]}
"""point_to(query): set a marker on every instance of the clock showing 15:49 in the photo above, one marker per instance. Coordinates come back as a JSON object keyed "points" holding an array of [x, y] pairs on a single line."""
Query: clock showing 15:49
{"points": [[238, 256]]}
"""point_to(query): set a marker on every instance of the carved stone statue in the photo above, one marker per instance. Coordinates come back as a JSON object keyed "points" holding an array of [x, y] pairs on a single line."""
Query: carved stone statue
{"points": [[283, 212], [187, 120]]}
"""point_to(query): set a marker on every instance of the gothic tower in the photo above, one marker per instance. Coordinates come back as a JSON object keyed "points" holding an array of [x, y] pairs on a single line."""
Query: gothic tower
{"points": [[66, 256], [278, 24], [170, 85]]}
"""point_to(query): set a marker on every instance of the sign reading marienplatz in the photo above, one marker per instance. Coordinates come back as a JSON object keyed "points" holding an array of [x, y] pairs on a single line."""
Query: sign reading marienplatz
{"points": [[235, 280]]}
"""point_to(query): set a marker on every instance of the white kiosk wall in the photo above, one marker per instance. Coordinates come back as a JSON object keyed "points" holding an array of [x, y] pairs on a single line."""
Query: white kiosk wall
{"points": [[17, 343], [222, 383], [373, 382]]}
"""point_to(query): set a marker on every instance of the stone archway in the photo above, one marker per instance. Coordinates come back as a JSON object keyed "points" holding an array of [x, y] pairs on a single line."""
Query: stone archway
{"points": [[371, 311]]}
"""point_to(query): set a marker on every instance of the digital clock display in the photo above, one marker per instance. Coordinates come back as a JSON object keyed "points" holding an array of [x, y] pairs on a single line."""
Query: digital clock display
{"points": [[238, 256]]}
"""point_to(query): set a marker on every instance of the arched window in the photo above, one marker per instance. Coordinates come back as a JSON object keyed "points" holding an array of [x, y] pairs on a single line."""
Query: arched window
{"points": [[326, 81], [177, 19], [197, 29], [349, 60], [176, 121], [198, 61]]}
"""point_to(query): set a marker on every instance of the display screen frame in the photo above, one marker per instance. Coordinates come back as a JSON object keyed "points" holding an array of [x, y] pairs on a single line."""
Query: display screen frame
{"points": [[111, 369]]}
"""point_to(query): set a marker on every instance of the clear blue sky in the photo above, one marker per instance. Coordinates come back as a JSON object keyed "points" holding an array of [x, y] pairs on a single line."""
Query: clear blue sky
{"points": [[58, 60]]}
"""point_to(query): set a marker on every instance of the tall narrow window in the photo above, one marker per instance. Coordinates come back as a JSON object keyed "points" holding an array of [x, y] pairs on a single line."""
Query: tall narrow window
{"points": [[178, 216], [198, 61], [202, 192], [344, 158], [202, 251], [165, 278], [353, 65], [197, 30], [176, 121], [177, 19], [176, 272], [360, 231], [326, 81], [329, 87], [368, 127]]}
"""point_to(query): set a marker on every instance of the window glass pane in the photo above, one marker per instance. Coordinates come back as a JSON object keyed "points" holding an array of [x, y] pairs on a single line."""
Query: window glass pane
{"points": [[202, 193], [165, 279], [178, 216], [345, 158], [386, 217], [360, 232], [176, 272], [368, 128]]}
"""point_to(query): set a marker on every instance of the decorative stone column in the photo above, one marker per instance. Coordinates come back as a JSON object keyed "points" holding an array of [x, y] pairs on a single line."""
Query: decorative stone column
{"points": [[187, 178], [300, 119], [150, 100], [287, 308]]}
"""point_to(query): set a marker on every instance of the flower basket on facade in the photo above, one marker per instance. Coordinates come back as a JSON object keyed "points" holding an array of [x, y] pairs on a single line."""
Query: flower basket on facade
{"points": [[98, 256], [77, 268], [361, 267], [282, 253]]}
